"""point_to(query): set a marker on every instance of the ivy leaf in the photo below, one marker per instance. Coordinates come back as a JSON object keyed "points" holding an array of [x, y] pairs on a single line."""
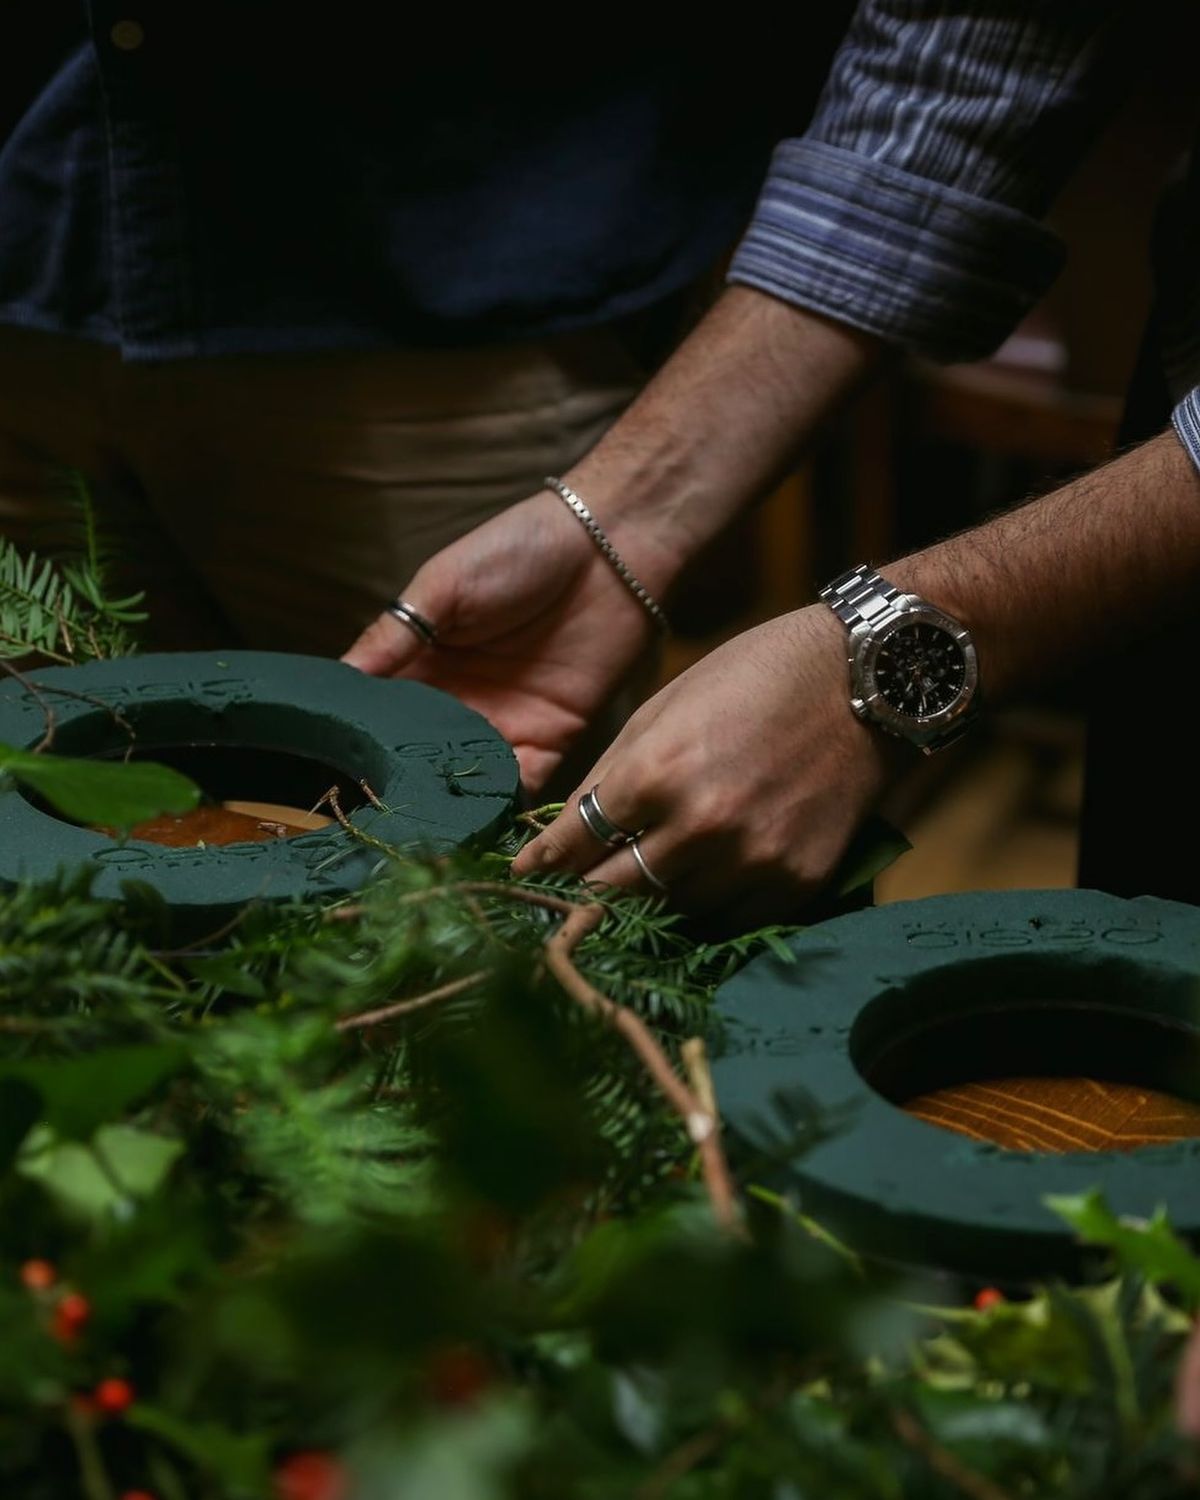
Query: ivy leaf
{"points": [[1149, 1246], [79, 1094], [98, 791], [96, 1182], [875, 846]]}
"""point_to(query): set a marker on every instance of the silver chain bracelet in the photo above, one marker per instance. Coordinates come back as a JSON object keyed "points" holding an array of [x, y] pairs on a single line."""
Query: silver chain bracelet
{"points": [[607, 550]]}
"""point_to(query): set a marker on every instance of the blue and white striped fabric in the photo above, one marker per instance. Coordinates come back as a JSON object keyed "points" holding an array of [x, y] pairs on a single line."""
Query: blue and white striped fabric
{"points": [[912, 206]]}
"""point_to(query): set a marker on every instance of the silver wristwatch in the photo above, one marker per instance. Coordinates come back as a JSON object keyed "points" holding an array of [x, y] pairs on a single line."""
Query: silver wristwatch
{"points": [[912, 666]]}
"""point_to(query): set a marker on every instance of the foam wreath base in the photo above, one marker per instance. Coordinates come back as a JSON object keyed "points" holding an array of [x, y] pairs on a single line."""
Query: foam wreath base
{"points": [[884, 1004], [443, 777]]}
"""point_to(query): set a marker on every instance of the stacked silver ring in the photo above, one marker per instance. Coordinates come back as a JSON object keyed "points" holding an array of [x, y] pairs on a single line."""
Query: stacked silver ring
{"points": [[424, 629], [601, 826], [598, 824], [648, 873]]}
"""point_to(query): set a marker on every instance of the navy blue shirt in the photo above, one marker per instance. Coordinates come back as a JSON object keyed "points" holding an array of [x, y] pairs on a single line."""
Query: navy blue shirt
{"points": [[191, 179]]}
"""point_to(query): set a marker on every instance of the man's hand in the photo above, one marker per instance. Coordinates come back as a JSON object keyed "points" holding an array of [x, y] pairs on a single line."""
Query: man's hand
{"points": [[535, 630], [749, 773]]}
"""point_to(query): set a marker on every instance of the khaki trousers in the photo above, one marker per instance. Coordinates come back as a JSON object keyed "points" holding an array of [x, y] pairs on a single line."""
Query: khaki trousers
{"points": [[280, 502]]}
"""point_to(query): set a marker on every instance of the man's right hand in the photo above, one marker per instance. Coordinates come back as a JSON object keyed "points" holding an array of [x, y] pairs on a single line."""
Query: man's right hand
{"points": [[535, 630]]}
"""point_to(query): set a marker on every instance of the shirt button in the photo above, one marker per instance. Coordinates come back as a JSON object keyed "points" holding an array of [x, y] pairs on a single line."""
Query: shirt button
{"points": [[128, 36]]}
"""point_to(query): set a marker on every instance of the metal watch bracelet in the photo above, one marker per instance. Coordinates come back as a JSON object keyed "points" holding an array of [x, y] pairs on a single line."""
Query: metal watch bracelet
{"points": [[860, 596]]}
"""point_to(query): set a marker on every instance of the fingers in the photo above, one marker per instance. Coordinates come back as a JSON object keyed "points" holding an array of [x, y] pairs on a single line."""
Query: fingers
{"points": [[395, 640], [644, 864], [569, 844], [385, 648]]}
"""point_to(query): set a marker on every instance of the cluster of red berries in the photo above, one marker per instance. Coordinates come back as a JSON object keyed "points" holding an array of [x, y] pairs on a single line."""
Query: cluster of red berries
{"points": [[307, 1475], [72, 1310], [71, 1314]]}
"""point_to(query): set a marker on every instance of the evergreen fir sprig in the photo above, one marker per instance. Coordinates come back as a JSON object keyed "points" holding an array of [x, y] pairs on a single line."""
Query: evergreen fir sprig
{"points": [[62, 610], [462, 1251]]}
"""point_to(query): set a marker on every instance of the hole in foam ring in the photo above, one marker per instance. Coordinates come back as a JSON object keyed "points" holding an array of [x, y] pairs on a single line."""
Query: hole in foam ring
{"points": [[1057, 1062], [249, 794]]}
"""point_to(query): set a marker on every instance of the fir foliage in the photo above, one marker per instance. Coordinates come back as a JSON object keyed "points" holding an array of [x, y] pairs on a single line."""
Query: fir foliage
{"points": [[62, 609], [258, 1242]]}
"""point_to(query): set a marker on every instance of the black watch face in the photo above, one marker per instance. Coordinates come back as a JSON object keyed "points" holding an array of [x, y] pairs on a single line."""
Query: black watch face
{"points": [[919, 670]]}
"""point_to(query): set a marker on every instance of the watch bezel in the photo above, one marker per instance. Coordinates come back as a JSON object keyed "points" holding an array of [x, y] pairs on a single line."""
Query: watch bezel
{"points": [[867, 642]]}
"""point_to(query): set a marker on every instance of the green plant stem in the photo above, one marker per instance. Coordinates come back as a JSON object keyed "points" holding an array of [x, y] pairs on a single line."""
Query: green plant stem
{"points": [[93, 1475]]}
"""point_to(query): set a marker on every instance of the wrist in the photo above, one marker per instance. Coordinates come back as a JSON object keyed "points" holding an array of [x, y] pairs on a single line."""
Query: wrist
{"points": [[718, 427], [602, 543]]}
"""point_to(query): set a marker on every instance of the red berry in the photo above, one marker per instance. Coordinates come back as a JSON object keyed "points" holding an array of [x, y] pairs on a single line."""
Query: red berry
{"points": [[74, 1308], [38, 1275], [988, 1297], [114, 1396], [457, 1374], [137, 1495], [311, 1475], [72, 1312]]}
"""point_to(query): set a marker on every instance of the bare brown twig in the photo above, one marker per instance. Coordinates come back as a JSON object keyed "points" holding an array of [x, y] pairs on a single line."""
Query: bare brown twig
{"points": [[399, 1008], [39, 691], [968, 1481], [683, 1460], [42, 702], [29, 649], [465, 887], [369, 794], [698, 1114], [702, 1125], [360, 834]]}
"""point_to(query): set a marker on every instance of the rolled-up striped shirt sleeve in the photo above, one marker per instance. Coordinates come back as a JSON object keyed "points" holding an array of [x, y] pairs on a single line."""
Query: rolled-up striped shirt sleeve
{"points": [[912, 207], [1186, 421]]}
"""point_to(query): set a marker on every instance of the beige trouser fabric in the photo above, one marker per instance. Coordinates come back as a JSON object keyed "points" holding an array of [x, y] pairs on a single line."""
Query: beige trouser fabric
{"points": [[280, 502]]}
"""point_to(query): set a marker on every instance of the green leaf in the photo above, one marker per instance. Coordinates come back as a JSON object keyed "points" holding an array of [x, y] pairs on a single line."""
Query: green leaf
{"points": [[240, 1460], [468, 1457], [876, 845], [1149, 1246], [79, 1094], [97, 791], [20, 1105], [97, 1181]]}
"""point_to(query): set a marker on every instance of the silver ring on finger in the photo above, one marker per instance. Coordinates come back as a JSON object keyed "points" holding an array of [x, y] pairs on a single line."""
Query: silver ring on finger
{"points": [[425, 630], [651, 878], [598, 824]]}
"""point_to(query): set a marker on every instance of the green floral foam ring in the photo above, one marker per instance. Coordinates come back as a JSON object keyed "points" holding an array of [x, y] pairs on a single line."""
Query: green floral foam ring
{"points": [[442, 776], [884, 1003]]}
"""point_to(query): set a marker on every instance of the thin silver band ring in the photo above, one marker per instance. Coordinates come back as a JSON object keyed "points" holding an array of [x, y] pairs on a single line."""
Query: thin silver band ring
{"points": [[598, 824], [424, 629], [651, 877]]}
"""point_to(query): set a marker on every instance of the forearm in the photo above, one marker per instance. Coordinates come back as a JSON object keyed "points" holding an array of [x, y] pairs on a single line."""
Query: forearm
{"points": [[910, 211], [1052, 583], [719, 425]]}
